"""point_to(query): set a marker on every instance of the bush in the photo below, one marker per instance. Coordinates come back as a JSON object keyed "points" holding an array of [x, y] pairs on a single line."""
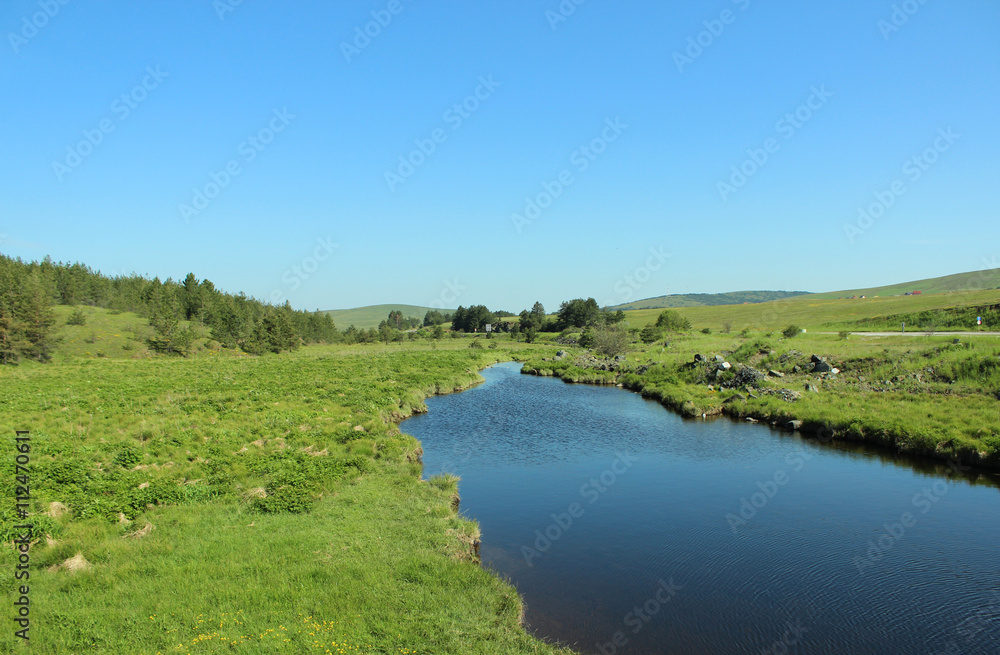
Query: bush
{"points": [[706, 330], [77, 318], [127, 456], [610, 341], [844, 334], [475, 344], [672, 320], [650, 333], [790, 331]]}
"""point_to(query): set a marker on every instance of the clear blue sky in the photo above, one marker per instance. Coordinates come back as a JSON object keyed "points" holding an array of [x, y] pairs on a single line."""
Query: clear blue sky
{"points": [[311, 129]]}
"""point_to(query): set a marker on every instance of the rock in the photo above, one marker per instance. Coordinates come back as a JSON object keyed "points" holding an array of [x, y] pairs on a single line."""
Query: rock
{"points": [[775, 374], [794, 425], [788, 395], [734, 398], [699, 358], [834, 370], [561, 354], [811, 388], [750, 419], [724, 366], [821, 367], [796, 369], [620, 358], [816, 359], [862, 378], [719, 358], [144, 485]]}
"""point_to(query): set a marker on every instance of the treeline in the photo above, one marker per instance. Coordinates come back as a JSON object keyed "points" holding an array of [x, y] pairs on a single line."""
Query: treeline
{"points": [[29, 290]]}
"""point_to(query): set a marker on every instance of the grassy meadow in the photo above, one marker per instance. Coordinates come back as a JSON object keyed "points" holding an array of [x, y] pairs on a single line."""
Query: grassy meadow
{"points": [[233, 504]]}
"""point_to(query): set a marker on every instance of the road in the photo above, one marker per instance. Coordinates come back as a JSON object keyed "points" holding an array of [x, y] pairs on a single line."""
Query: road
{"points": [[920, 333]]}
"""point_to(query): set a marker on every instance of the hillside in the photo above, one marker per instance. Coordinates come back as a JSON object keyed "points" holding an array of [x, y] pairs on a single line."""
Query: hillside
{"points": [[976, 280], [371, 315], [815, 312], [708, 299]]}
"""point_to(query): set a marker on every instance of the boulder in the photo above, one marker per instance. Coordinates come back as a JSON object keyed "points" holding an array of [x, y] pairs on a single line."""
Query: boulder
{"points": [[811, 388], [796, 369], [816, 359], [719, 358], [561, 354], [821, 367], [794, 425], [699, 358], [775, 374]]}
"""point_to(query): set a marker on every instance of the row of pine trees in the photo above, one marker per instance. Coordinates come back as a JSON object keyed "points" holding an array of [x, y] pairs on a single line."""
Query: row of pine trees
{"points": [[175, 310]]}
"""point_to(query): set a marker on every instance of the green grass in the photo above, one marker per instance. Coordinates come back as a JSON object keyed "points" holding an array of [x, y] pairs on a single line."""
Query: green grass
{"points": [[976, 280], [814, 313], [287, 508], [372, 315]]}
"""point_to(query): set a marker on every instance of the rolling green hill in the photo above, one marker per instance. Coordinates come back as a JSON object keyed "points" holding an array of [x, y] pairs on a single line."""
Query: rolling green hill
{"points": [[708, 299], [976, 280], [371, 315]]}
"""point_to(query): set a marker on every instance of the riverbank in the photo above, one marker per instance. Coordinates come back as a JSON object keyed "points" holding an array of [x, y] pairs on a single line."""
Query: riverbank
{"points": [[249, 504], [924, 396]]}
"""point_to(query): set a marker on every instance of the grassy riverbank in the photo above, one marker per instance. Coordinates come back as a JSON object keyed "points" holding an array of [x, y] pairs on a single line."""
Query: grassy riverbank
{"points": [[922, 395], [247, 505]]}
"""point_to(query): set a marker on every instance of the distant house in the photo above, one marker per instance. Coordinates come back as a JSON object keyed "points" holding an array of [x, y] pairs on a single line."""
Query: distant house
{"points": [[916, 293]]}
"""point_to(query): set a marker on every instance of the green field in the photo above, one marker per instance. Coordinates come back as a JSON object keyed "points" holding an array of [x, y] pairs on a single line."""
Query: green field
{"points": [[226, 503], [707, 299], [371, 315], [815, 313], [974, 281]]}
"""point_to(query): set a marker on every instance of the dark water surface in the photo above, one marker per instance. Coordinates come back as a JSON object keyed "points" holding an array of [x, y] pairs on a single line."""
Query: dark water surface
{"points": [[620, 524]]}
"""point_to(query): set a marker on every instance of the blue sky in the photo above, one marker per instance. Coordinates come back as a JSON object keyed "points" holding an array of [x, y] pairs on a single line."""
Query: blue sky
{"points": [[259, 145]]}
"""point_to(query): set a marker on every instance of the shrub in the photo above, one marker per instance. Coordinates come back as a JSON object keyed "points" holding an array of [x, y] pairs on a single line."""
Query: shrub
{"points": [[790, 331], [127, 456], [76, 318], [475, 344], [672, 320], [844, 334], [650, 333], [610, 341], [706, 330]]}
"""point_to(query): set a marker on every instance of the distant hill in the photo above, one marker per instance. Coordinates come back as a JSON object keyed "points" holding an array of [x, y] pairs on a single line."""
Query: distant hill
{"points": [[986, 279], [708, 299], [371, 315]]}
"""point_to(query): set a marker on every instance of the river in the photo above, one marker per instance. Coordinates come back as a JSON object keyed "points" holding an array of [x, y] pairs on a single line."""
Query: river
{"points": [[628, 529]]}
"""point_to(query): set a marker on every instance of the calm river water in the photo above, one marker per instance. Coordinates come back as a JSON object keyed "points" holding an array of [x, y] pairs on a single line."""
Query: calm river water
{"points": [[630, 530]]}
